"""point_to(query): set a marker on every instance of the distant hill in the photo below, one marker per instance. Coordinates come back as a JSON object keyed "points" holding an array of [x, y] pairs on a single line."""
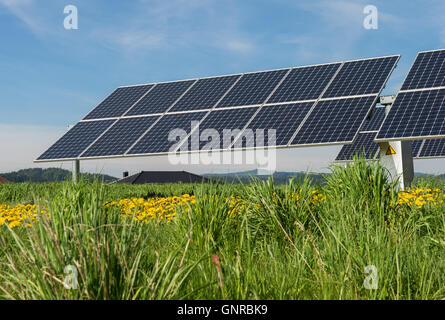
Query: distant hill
{"points": [[281, 177], [420, 175], [49, 175], [57, 174], [278, 177], [441, 176]]}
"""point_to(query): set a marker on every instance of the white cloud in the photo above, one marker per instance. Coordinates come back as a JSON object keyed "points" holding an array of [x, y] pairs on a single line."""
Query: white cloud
{"points": [[349, 14], [339, 28], [131, 41], [177, 24], [232, 44]]}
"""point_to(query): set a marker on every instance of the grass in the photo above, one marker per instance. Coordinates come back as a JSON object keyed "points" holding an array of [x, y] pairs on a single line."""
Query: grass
{"points": [[280, 242]]}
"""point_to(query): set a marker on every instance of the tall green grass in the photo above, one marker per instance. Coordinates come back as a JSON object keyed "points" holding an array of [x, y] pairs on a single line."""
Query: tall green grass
{"points": [[276, 247]]}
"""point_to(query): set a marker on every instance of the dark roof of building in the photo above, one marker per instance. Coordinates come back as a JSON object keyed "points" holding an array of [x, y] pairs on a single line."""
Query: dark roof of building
{"points": [[144, 177], [3, 180]]}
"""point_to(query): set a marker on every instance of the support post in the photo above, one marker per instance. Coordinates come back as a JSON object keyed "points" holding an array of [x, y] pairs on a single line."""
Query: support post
{"points": [[396, 156], [76, 171]]}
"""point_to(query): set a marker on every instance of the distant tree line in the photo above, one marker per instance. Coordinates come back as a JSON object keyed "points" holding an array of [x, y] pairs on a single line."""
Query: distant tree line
{"points": [[49, 175]]}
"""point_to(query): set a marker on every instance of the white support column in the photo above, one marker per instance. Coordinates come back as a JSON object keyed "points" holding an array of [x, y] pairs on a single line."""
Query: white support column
{"points": [[76, 171], [396, 156]]}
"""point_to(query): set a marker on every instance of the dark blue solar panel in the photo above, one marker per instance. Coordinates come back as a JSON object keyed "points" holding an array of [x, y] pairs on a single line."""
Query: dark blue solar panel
{"points": [[119, 138], [118, 102], [361, 77], [363, 145], [253, 88], [375, 120], [428, 71], [416, 147], [334, 121], [157, 139], [76, 140], [285, 119], [160, 98], [433, 148], [227, 124], [304, 83], [205, 93], [364, 142], [415, 114]]}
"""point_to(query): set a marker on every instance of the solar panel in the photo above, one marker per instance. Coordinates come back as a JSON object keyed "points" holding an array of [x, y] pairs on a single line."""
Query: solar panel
{"points": [[304, 83], [284, 118], [120, 137], [334, 121], [415, 115], [156, 140], [230, 120], [375, 120], [419, 108], [205, 93], [361, 77], [433, 148], [160, 98], [116, 104], [363, 145], [253, 88], [76, 140], [416, 147], [428, 71], [310, 119]]}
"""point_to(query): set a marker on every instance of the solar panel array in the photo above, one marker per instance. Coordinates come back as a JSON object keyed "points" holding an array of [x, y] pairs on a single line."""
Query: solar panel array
{"points": [[364, 144], [418, 111], [322, 104]]}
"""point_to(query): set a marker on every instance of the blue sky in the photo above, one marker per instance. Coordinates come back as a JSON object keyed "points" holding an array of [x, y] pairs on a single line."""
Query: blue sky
{"points": [[51, 77]]}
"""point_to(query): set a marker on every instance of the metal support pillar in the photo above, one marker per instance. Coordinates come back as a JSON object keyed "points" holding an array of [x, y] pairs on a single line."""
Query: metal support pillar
{"points": [[396, 156], [76, 171]]}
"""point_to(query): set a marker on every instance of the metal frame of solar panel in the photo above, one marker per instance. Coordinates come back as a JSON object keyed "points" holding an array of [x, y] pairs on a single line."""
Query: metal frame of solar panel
{"points": [[305, 85], [418, 111]]}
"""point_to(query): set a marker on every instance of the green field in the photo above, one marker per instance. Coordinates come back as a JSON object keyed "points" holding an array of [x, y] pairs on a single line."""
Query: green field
{"points": [[273, 242]]}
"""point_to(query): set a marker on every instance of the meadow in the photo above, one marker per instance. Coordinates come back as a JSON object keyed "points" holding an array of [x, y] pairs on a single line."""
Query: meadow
{"points": [[301, 240]]}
